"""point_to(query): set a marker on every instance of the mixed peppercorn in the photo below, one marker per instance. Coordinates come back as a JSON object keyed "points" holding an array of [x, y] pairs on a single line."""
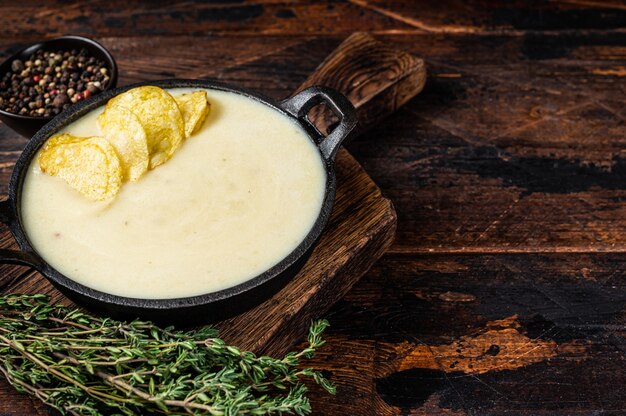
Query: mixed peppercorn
{"points": [[49, 82]]}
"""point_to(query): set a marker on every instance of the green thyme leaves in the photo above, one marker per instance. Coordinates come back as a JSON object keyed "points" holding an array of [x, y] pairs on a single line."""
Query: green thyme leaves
{"points": [[86, 365]]}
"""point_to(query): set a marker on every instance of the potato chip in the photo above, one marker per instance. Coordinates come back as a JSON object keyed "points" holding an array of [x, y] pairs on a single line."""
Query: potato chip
{"points": [[50, 152], [195, 108], [160, 117], [88, 164], [61, 139], [122, 129]]}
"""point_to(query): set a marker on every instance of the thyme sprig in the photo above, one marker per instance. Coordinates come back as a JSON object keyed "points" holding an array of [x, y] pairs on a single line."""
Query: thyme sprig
{"points": [[86, 365]]}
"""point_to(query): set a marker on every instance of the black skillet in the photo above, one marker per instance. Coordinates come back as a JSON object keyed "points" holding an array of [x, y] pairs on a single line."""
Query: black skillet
{"points": [[210, 306]]}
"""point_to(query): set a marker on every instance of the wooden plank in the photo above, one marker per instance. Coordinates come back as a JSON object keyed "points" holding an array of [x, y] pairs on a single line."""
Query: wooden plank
{"points": [[525, 334], [36, 18], [122, 18], [459, 17], [508, 152]]}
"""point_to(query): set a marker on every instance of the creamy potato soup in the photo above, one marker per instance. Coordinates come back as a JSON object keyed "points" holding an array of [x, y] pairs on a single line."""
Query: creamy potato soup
{"points": [[234, 200]]}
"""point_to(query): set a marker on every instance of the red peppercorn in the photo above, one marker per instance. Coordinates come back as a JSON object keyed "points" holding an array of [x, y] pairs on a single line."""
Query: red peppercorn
{"points": [[54, 92], [36, 78], [86, 94], [78, 96]]}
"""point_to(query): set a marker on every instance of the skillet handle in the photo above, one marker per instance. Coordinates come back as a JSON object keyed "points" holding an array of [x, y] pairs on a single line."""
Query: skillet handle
{"points": [[300, 104], [7, 256]]}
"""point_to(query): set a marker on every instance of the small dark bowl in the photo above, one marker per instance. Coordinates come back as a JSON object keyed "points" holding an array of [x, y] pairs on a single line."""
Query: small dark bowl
{"points": [[27, 126]]}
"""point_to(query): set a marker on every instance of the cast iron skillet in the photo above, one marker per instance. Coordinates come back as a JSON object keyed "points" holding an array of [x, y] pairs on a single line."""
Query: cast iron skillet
{"points": [[207, 307]]}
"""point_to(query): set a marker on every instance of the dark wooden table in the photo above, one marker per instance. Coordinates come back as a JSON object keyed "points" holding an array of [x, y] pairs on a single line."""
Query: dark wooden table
{"points": [[505, 291]]}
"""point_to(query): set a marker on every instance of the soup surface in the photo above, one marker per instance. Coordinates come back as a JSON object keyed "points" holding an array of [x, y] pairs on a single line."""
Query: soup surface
{"points": [[233, 201]]}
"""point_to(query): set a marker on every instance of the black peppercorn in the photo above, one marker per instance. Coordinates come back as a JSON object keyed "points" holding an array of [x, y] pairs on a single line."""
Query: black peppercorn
{"points": [[60, 100]]}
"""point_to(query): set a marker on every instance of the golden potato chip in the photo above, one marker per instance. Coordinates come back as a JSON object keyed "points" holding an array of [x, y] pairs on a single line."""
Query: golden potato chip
{"points": [[88, 164], [122, 129], [160, 117], [61, 139], [50, 152], [195, 108]]}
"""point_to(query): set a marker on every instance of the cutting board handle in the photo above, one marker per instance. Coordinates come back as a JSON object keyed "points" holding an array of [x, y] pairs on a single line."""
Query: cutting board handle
{"points": [[373, 75]]}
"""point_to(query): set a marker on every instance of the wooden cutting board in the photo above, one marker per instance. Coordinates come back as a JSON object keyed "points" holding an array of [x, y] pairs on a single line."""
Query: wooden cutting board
{"points": [[377, 79]]}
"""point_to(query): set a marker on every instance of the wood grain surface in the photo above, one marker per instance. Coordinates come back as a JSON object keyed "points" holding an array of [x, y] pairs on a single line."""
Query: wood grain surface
{"points": [[503, 293]]}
